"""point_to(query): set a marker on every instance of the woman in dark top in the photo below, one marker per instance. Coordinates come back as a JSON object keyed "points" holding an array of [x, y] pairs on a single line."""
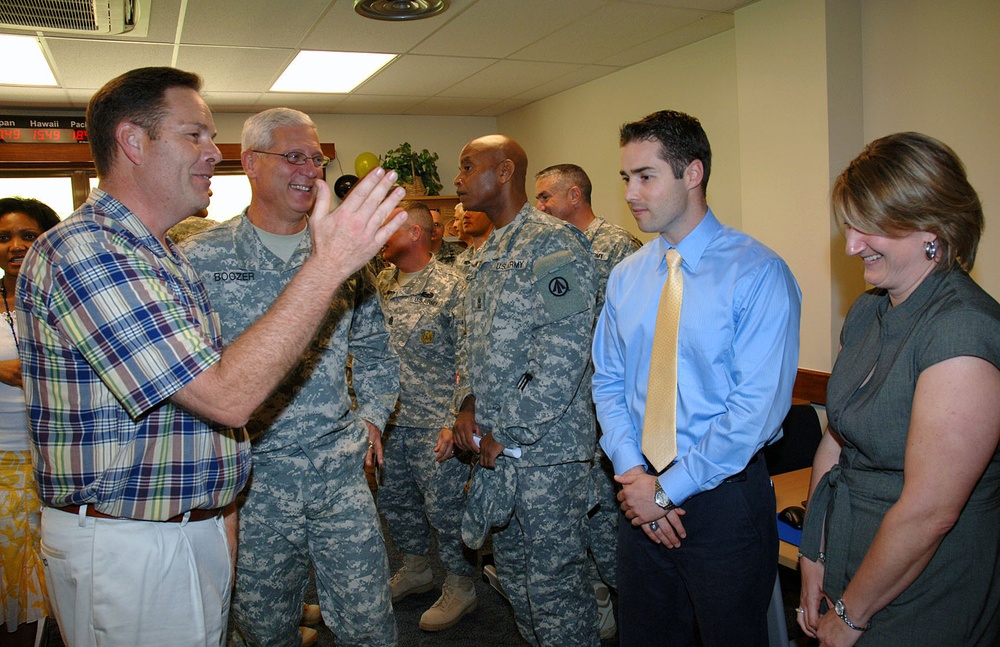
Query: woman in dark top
{"points": [[902, 536]]}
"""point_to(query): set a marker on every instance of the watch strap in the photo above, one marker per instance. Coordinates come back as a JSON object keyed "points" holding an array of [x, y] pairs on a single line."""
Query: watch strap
{"points": [[841, 611]]}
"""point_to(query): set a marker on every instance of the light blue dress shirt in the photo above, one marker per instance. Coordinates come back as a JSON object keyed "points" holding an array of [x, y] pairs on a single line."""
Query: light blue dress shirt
{"points": [[738, 353]]}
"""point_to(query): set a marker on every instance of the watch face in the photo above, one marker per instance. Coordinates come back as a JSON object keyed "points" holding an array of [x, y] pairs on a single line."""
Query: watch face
{"points": [[838, 608]]}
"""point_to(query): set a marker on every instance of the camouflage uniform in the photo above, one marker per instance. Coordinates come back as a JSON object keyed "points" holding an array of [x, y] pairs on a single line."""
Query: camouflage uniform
{"points": [[448, 252], [426, 320], [464, 260], [610, 244], [529, 312], [189, 227], [308, 497]]}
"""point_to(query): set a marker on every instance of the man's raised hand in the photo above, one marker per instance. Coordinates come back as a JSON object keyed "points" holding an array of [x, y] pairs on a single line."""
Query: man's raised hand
{"points": [[350, 235]]}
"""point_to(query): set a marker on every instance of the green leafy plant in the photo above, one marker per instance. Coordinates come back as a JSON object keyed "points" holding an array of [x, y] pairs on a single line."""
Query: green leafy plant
{"points": [[407, 163]]}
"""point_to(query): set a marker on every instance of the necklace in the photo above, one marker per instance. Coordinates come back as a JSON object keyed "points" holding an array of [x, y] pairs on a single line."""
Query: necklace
{"points": [[6, 311]]}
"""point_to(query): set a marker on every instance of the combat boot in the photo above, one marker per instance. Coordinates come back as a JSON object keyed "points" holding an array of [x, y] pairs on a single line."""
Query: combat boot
{"points": [[605, 612], [458, 599], [309, 636], [415, 576], [311, 615]]}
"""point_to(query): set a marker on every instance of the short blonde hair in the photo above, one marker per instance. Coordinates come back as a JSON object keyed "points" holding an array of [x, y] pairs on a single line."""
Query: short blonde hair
{"points": [[910, 182]]}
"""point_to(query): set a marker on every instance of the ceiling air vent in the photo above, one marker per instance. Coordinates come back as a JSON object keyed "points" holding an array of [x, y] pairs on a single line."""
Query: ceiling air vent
{"points": [[94, 17], [400, 9]]}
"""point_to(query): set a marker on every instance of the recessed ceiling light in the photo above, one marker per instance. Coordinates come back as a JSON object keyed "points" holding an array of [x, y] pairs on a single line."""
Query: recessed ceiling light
{"points": [[399, 9], [31, 67], [341, 72]]}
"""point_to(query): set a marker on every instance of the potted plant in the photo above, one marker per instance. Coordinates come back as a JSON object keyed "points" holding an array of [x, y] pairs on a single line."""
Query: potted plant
{"points": [[417, 171]]}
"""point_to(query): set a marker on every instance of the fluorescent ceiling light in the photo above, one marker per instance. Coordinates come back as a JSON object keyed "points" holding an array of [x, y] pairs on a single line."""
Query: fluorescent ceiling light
{"points": [[329, 71], [31, 67]]}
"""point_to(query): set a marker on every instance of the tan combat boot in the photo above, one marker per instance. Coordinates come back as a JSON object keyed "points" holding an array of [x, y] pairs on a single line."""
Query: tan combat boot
{"points": [[415, 576], [458, 599]]}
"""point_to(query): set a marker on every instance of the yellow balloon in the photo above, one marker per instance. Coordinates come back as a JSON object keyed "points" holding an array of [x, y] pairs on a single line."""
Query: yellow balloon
{"points": [[364, 163]]}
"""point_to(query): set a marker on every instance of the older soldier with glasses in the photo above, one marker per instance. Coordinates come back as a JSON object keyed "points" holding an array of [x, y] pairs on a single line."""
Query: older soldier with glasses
{"points": [[308, 503]]}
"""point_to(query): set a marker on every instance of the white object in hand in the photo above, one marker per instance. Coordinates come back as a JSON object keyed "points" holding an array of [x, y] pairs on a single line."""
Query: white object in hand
{"points": [[513, 452]]}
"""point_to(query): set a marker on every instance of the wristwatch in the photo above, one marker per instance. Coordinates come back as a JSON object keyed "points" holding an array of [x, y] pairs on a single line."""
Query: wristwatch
{"points": [[661, 498], [838, 608]]}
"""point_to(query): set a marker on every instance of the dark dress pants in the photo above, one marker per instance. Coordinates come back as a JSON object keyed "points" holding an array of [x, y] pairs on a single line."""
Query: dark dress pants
{"points": [[721, 577]]}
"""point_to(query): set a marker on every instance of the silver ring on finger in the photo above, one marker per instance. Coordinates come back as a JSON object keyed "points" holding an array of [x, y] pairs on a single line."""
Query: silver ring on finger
{"points": [[654, 526]]}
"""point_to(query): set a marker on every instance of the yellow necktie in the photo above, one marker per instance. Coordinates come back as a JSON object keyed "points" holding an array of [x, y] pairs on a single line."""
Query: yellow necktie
{"points": [[659, 428]]}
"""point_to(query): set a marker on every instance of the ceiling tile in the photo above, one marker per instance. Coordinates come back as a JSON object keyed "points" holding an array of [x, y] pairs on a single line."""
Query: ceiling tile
{"points": [[449, 106], [306, 102], [501, 107], [92, 63], [362, 105], [416, 75], [571, 80], [607, 31], [249, 23], [710, 25], [342, 29], [162, 25], [508, 78], [449, 63], [497, 28], [232, 101], [235, 69], [704, 5]]}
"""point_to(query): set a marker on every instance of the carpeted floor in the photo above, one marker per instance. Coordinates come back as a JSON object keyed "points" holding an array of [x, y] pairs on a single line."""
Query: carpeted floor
{"points": [[490, 625]]}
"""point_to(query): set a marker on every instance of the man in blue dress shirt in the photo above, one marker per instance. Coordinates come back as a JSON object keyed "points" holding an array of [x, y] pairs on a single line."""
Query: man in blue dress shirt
{"points": [[698, 543]]}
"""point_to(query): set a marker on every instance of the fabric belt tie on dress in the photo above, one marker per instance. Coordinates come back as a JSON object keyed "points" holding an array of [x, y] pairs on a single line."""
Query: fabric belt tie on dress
{"points": [[198, 514], [829, 514]]}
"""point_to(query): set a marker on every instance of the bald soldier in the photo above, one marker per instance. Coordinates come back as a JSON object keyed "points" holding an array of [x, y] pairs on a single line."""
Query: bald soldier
{"points": [[524, 396]]}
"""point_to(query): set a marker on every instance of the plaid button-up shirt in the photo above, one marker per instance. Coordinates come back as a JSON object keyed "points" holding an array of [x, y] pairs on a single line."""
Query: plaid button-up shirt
{"points": [[111, 324]]}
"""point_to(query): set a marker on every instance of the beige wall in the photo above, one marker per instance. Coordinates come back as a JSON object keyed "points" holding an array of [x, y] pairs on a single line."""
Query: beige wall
{"points": [[934, 67], [785, 106], [581, 125]]}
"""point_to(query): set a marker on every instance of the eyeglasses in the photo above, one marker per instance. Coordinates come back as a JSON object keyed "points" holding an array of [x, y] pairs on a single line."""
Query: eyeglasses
{"points": [[299, 159]]}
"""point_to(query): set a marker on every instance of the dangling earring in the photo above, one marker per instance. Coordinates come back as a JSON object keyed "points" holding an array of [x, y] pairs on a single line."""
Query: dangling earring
{"points": [[930, 249]]}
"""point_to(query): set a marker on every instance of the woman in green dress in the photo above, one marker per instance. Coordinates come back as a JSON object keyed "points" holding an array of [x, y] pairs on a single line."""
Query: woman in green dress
{"points": [[901, 544]]}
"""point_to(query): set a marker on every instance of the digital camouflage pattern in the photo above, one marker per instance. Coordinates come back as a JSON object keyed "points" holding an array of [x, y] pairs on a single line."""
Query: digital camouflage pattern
{"points": [[417, 492], [529, 308], [308, 491], [610, 244], [320, 501], [529, 303], [449, 252], [541, 558], [426, 320]]}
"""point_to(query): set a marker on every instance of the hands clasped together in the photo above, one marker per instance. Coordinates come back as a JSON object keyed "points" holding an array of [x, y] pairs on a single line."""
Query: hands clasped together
{"points": [[638, 504]]}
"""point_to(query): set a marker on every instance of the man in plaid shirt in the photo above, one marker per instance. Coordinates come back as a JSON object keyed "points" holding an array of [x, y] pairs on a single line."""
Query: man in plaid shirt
{"points": [[135, 407]]}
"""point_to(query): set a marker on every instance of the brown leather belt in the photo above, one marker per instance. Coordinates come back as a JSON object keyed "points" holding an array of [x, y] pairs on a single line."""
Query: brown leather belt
{"points": [[199, 514]]}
